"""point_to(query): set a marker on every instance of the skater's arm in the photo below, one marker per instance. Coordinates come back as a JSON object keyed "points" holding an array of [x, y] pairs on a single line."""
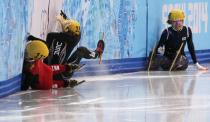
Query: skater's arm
{"points": [[61, 36], [54, 36], [162, 41], [50, 38], [57, 69], [192, 52], [191, 47]]}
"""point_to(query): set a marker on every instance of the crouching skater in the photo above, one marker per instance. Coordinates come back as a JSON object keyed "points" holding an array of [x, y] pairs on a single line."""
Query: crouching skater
{"points": [[173, 41]]}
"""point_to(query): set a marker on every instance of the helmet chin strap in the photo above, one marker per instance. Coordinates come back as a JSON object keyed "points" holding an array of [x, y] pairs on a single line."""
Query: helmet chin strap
{"points": [[177, 29]]}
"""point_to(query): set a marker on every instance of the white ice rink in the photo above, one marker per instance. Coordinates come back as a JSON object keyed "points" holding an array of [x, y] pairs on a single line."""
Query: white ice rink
{"points": [[134, 97]]}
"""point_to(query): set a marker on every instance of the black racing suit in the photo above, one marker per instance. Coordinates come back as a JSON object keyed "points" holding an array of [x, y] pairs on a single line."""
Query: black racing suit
{"points": [[61, 46], [172, 40]]}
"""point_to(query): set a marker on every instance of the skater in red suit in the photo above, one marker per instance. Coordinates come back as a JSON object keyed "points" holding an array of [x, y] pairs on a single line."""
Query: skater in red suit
{"points": [[39, 75]]}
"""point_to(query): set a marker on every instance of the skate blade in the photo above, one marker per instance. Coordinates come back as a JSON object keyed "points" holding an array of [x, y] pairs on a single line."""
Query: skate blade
{"points": [[81, 82], [80, 67], [100, 59]]}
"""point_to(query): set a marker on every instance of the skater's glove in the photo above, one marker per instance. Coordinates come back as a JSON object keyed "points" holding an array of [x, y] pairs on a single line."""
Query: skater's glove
{"points": [[72, 67], [161, 50], [200, 67], [63, 15]]}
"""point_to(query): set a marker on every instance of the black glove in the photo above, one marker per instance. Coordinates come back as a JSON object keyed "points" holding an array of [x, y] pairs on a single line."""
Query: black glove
{"points": [[63, 15], [72, 67], [70, 83]]}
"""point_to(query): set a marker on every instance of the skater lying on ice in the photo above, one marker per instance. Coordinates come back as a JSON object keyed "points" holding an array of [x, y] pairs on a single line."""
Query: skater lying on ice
{"points": [[39, 75], [173, 41]]}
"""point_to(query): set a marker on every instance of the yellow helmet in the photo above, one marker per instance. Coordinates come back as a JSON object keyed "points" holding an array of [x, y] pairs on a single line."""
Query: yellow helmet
{"points": [[71, 26], [36, 50], [176, 14]]}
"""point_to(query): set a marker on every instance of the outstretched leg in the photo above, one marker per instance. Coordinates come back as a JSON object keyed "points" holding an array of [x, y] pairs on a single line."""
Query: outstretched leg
{"points": [[180, 64], [82, 52]]}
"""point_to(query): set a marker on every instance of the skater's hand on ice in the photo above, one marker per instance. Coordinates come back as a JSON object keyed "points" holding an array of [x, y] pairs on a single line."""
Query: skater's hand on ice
{"points": [[200, 67]]}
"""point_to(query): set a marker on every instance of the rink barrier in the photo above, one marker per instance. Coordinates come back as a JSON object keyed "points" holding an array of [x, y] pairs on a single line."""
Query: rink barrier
{"points": [[10, 86], [115, 66], [203, 56], [92, 68]]}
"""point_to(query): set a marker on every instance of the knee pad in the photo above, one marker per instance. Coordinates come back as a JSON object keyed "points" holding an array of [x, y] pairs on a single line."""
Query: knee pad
{"points": [[82, 51], [155, 62], [182, 63], [165, 63]]}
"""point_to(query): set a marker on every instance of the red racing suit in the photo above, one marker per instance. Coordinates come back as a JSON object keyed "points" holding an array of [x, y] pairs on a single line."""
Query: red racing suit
{"points": [[41, 75]]}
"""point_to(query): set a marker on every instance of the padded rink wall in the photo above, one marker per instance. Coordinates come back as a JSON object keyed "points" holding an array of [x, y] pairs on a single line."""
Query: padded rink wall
{"points": [[131, 30]]}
